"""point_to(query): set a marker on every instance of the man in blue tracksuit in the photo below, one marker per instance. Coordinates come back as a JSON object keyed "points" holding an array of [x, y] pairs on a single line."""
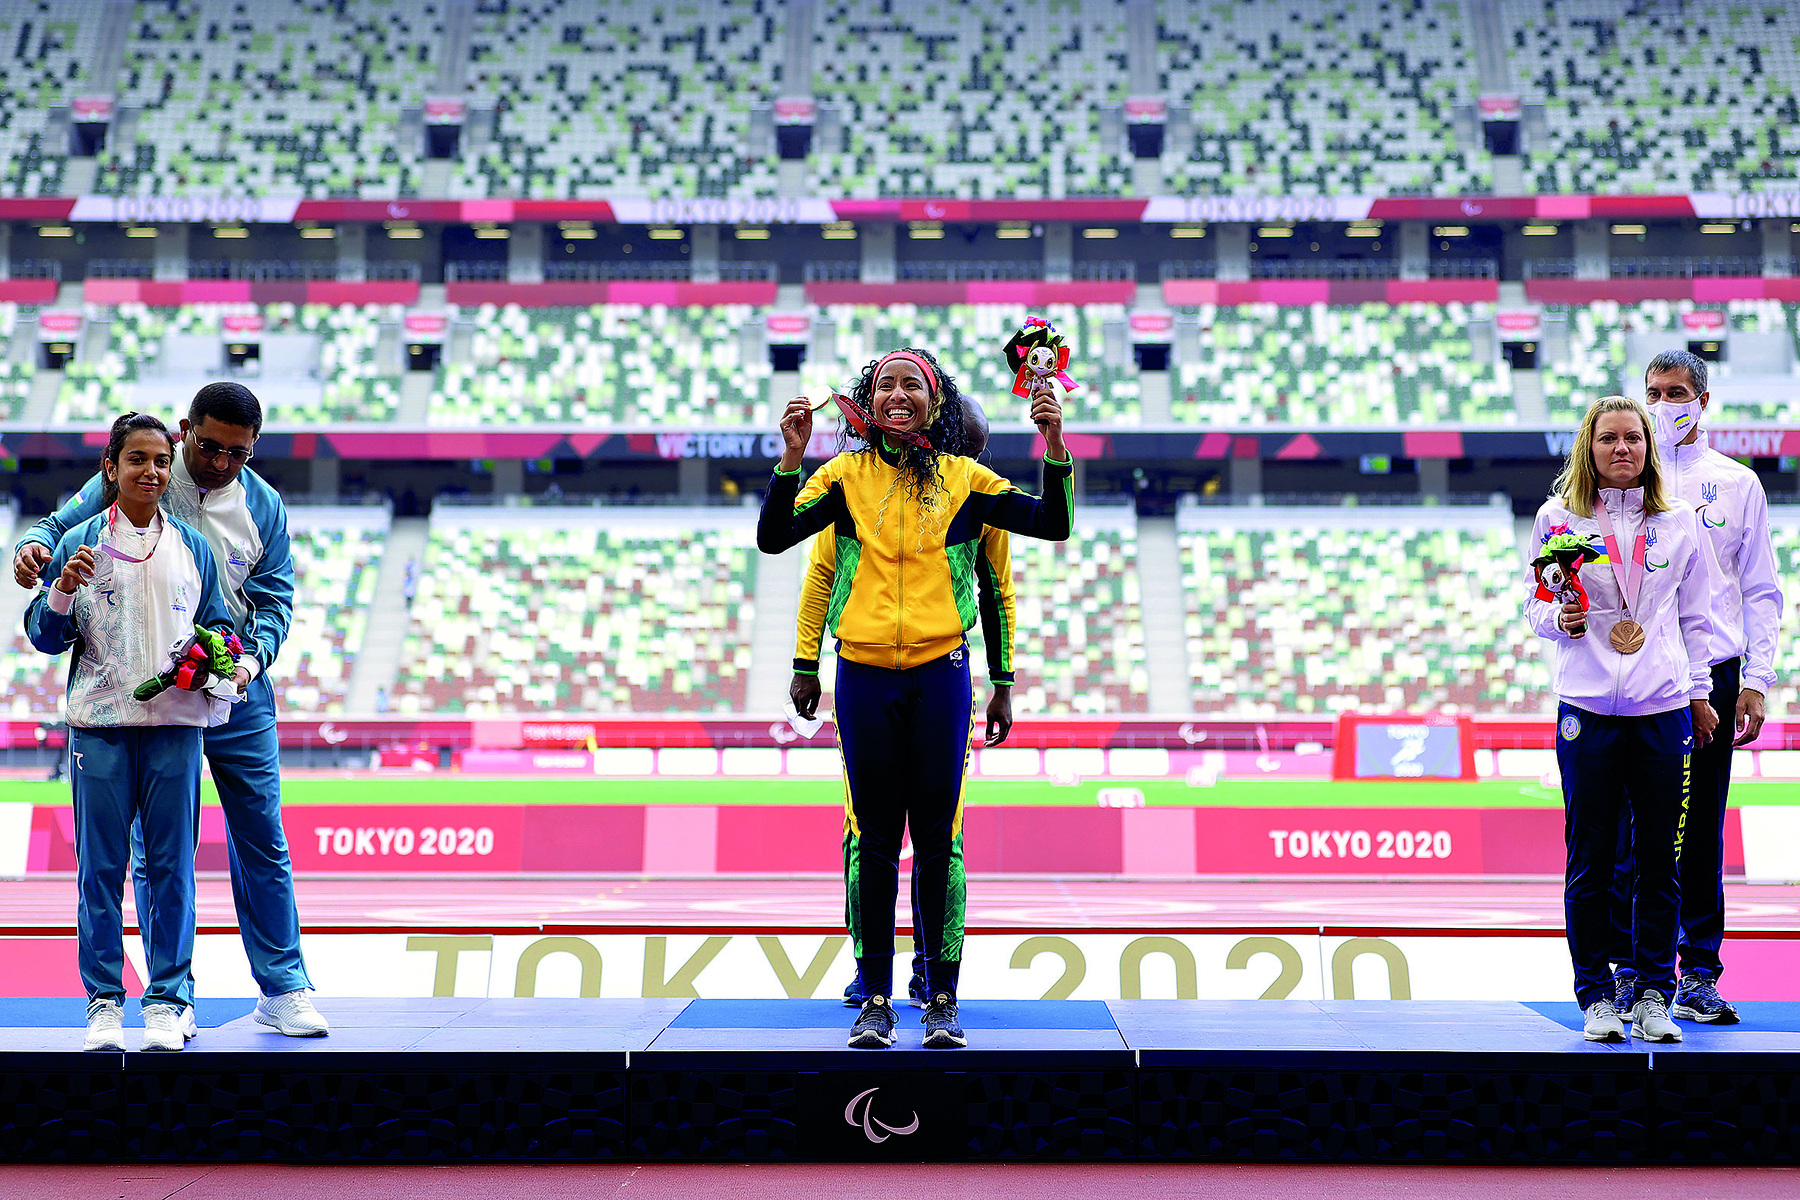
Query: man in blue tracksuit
{"points": [[245, 524]]}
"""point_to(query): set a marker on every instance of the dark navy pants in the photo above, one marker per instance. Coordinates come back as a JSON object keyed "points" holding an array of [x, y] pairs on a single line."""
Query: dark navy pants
{"points": [[1611, 766], [1702, 850], [904, 735], [245, 757]]}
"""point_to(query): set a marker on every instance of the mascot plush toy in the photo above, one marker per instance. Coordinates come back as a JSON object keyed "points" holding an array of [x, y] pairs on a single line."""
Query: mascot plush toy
{"points": [[1036, 353], [196, 663], [1558, 571]]}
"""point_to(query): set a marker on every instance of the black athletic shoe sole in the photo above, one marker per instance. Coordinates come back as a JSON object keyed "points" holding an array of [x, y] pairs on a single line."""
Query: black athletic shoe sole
{"points": [[869, 1039], [938, 1039], [1682, 1012]]}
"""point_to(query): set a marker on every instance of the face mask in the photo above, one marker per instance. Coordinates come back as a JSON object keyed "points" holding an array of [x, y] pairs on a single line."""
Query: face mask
{"points": [[1674, 422]]}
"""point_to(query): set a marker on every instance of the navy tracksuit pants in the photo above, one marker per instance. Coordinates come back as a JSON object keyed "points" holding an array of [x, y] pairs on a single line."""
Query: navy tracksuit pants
{"points": [[1702, 850], [904, 735], [126, 777], [1611, 766], [245, 757]]}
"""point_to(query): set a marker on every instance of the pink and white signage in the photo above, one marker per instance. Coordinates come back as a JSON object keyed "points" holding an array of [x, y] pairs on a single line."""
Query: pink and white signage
{"points": [[241, 325], [1706, 321], [1146, 110], [426, 326], [1152, 325], [796, 110], [445, 110], [788, 328], [1519, 324], [58, 326], [1499, 106]]}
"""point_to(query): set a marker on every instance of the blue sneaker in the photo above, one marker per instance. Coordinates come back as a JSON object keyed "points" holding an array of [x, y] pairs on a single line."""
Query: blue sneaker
{"points": [[1698, 999], [1624, 984], [915, 991], [853, 993]]}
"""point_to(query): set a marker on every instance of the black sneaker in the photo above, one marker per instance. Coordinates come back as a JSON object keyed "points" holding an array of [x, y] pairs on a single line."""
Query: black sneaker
{"points": [[915, 991], [1698, 999], [1624, 992], [853, 993], [874, 1028], [942, 1030]]}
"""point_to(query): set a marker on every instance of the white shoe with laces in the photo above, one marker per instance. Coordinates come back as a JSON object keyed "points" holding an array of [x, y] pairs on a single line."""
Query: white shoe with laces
{"points": [[1650, 1019], [190, 1028], [106, 1026], [162, 1028], [293, 1014]]}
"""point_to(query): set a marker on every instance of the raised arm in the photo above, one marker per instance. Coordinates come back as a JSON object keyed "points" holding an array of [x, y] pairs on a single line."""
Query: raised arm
{"points": [[995, 501]]}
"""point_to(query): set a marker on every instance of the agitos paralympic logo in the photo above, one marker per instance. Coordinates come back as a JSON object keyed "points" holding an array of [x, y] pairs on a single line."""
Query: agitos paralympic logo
{"points": [[860, 1113]]}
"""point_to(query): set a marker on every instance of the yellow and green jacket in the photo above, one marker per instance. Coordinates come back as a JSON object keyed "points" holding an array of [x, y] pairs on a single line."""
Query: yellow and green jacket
{"points": [[994, 600], [903, 587]]}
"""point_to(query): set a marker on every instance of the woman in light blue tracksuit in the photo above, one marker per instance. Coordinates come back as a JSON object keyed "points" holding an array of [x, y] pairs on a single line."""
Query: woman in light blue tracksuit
{"points": [[127, 586]]}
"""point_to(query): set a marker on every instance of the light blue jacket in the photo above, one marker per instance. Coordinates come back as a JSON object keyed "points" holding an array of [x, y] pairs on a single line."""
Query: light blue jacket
{"points": [[245, 524]]}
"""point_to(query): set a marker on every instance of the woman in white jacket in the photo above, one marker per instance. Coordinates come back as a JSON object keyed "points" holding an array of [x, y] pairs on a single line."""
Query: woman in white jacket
{"points": [[1632, 675]]}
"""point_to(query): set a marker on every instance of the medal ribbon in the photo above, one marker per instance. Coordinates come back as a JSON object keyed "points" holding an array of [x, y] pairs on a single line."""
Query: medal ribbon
{"points": [[106, 547], [1629, 585]]}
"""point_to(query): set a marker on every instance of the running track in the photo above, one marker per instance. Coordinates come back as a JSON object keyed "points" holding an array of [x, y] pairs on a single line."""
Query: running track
{"points": [[47, 904]]}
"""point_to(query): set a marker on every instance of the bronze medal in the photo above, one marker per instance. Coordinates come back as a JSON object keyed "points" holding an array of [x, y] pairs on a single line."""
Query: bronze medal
{"points": [[1628, 637]]}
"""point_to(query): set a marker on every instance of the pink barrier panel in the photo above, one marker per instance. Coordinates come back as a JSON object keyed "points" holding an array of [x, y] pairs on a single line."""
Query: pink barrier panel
{"points": [[28, 291], [47, 967], [526, 762], [1339, 841], [683, 839], [582, 838], [780, 839], [405, 838]]}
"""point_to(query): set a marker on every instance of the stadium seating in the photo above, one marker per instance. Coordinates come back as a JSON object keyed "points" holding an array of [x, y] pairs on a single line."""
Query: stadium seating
{"points": [[254, 99], [1784, 532], [608, 364], [1597, 363], [1693, 97], [967, 340], [599, 99], [15, 377], [337, 556], [1308, 99], [582, 610], [1080, 645], [1323, 611], [47, 43], [346, 384], [1370, 364], [990, 101]]}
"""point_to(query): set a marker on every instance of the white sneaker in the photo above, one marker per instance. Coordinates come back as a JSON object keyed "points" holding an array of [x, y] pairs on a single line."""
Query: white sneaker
{"points": [[190, 1028], [293, 1014], [1603, 1024], [1650, 1019], [106, 1026], [162, 1027]]}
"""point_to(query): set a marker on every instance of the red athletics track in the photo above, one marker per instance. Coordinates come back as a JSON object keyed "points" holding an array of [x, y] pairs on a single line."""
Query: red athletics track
{"points": [[957, 1181], [47, 904]]}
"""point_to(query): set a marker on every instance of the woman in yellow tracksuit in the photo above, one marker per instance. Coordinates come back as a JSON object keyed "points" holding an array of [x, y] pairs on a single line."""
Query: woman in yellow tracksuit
{"points": [[906, 512]]}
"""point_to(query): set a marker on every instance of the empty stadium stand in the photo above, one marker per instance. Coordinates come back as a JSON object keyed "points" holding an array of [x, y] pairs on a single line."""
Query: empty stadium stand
{"points": [[1696, 97], [337, 553], [581, 610], [1308, 99], [1369, 364], [1337, 610]]}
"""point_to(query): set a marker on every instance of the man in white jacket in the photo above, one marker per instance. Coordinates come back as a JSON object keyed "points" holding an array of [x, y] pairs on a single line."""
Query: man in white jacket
{"points": [[1744, 604]]}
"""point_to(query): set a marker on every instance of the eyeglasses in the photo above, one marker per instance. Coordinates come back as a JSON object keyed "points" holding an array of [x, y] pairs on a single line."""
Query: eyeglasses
{"points": [[212, 452]]}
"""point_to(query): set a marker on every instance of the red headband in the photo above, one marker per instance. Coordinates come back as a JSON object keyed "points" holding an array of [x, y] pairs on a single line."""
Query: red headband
{"points": [[931, 379]]}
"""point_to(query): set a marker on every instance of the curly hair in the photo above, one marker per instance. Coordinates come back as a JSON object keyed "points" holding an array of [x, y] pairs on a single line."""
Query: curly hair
{"points": [[948, 431]]}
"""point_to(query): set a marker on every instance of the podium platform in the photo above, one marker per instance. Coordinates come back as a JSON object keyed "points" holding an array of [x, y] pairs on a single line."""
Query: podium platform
{"points": [[446, 1080]]}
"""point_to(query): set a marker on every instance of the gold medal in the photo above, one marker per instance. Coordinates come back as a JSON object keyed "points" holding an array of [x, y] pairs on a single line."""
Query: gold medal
{"points": [[1628, 637]]}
